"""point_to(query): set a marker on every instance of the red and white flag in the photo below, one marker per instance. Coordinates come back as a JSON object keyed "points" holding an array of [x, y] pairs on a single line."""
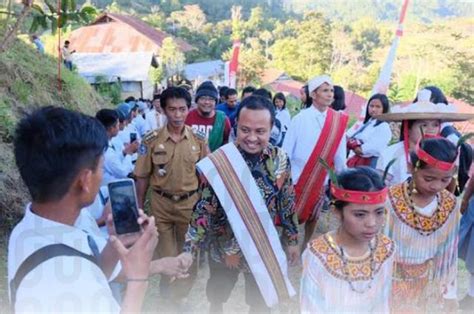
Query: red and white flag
{"points": [[383, 81], [234, 64]]}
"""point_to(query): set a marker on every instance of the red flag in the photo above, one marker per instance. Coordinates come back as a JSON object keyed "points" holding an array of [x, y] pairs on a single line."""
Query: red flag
{"points": [[234, 63]]}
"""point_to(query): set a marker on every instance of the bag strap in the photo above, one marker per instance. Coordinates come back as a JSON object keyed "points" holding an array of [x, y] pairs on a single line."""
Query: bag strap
{"points": [[38, 257]]}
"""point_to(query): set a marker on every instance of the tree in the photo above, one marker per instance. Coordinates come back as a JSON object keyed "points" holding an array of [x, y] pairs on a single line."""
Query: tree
{"points": [[192, 17], [366, 37], [308, 51], [67, 14], [266, 36], [171, 58], [11, 33], [251, 65], [464, 77]]}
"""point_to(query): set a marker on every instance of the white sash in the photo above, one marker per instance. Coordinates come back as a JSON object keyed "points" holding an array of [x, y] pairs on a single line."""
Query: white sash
{"points": [[262, 248]]}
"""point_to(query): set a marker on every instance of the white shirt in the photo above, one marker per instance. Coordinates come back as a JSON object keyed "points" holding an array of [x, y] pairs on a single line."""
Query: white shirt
{"points": [[96, 210], [62, 284], [375, 138], [301, 138], [116, 166], [398, 172], [140, 124], [285, 119], [124, 135], [154, 120]]}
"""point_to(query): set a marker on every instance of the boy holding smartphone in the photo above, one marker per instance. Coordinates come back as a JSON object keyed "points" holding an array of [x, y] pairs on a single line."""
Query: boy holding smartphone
{"points": [[59, 154]]}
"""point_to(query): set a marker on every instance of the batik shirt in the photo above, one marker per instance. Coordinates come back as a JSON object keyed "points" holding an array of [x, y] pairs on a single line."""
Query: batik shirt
{"points": [[209, 224]]}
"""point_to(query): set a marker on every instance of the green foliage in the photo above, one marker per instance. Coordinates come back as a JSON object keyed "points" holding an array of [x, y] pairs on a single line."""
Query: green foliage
{"points": [[21, 90], [464, 76], [251, 66], [192, 18], [367, 36], [110, 91], [307, 51], [50, 17], [349, 11], [7, 121], [171, 58]]}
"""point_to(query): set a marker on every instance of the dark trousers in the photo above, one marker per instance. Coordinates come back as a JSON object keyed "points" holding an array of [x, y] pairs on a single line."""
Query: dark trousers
{"points": [[222, 281], [68, 64]]}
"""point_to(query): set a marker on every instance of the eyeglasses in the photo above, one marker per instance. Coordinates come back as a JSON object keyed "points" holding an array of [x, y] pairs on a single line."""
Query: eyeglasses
{"points": [[207, 98]]}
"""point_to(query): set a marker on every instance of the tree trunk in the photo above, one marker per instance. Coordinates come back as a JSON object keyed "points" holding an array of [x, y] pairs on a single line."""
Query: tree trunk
{"points": [[12, 32]]}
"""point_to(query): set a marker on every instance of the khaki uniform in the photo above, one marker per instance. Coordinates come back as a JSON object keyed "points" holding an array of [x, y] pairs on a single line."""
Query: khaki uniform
{"points": [[171, 169]]}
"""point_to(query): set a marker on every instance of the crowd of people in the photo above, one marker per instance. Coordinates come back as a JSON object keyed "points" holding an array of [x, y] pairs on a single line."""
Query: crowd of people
{"points": [[230, 180]]}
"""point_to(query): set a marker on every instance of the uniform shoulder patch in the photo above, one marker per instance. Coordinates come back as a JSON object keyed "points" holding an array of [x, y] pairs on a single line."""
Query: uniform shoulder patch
{"points": [[150, 136], [142, 149]]}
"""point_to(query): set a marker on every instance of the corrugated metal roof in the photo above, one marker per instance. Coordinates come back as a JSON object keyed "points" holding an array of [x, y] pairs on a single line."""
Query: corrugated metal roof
{"points": [[129, 66], [120, 33]]}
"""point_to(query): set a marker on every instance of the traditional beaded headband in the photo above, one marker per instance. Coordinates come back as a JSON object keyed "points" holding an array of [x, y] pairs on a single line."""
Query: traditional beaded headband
{"points": [[359, 197]]}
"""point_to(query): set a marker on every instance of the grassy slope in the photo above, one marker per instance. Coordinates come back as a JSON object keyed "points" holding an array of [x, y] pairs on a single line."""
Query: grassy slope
{"points": [[27, 81]]}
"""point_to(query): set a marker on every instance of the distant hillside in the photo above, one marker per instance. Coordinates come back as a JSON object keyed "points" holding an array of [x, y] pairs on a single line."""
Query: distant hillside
{"points": [[27, 81], [344, 10], [421, 10]]}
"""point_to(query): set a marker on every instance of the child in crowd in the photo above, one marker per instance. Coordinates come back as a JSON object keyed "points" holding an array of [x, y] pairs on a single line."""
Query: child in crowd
{"points": [[424, 223], [350, 270], [422, 117]]}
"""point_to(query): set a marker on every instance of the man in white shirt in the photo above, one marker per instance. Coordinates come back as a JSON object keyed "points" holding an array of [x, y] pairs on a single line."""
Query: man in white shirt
{"points": [[117, 163], [155, 118], [59, 154], [139, 120], [304, 148]]}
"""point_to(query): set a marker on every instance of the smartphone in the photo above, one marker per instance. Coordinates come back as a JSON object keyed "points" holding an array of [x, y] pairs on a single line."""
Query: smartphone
{"points": [[133, 137], [123, 198]]}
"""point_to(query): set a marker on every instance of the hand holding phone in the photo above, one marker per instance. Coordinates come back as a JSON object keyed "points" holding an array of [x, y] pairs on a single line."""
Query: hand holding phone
{"points": [[123, 199]]}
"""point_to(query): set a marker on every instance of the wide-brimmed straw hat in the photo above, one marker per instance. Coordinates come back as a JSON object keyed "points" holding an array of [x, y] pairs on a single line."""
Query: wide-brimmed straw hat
{"points": [[423, 109]]}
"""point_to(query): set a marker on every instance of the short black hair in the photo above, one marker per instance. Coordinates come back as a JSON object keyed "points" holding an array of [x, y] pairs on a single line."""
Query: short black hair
{"points": [[107, 117], [67, 42], [257, 102], [358, 179], [129, 99], [439, 148], [174, 93], [248, 89], [339, 102], [263, 92], [223, 91], [52, 145], [230, 92], [281, 97]]}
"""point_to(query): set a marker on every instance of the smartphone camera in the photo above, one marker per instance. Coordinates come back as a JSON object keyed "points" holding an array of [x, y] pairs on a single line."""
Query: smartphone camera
{"points": [[123, 199]]}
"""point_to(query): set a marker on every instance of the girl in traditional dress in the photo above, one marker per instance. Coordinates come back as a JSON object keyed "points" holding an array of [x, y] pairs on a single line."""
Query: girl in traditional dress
{"points": [[350, 270], [420, 117], [367, 143], [423, 221]]}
